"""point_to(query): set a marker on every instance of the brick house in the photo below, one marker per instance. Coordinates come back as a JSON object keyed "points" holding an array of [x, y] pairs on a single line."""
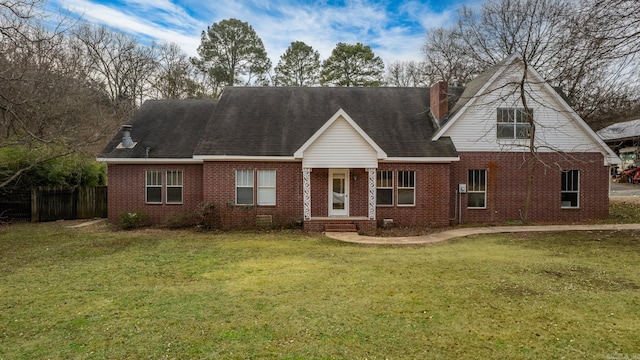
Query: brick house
{"points": [[361, 156]]}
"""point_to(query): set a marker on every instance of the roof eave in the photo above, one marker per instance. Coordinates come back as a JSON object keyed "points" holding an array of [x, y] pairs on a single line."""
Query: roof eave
{"points": [[148, 160]]}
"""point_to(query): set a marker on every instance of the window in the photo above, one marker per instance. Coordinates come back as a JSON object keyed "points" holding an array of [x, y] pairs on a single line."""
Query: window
{"points": [[513, 123], [153, 187], [570, 193], [174, 187], [477, 189], [406, 188], [266, 187], [384, 188], [244, 187]]}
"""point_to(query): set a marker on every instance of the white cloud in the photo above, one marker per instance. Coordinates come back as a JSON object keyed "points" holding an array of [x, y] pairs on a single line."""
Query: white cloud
{"points": [[133, 24], [392, 36]]}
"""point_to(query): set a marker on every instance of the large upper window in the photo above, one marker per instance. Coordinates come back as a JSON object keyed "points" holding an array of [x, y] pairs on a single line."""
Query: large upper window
{"points": [[570, 189], [244, 187], [384, 187], [153, 187], [513, 123], [174, 187], [266, 187], [406, 188], [477, 189]]}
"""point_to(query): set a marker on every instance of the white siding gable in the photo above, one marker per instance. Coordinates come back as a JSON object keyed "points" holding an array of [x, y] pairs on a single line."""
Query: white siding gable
{"points": [[558, 127], [340, 144]]}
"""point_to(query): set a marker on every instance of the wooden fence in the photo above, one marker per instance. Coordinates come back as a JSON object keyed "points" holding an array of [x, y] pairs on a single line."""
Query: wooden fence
{"points": [[15, 205], [66, 203], [49, 203]]}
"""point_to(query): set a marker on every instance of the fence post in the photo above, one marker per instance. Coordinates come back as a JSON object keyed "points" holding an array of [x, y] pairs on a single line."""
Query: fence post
{"points": [[35, 206]]}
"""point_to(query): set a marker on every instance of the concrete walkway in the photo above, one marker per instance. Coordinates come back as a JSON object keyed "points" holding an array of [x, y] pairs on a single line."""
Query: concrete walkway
{"points": [[462, 232], [87, 223]]}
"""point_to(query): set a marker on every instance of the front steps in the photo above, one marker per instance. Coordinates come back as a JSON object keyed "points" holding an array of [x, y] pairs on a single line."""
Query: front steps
{"points": [[340, 227]]}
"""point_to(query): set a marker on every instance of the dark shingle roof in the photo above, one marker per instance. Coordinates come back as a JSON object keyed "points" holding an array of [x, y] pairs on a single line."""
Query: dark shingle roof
{"points": [[277, 121], [170, 128]]}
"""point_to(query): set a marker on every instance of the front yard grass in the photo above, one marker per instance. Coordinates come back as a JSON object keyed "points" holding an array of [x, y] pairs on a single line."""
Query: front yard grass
{"points": [[154, 294]]}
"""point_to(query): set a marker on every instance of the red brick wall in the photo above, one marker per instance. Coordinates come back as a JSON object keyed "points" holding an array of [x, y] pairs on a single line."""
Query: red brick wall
{"points": [[127, 191], [432, 204], [358, 193], [319, 192], [220, 188], [507, 182]]}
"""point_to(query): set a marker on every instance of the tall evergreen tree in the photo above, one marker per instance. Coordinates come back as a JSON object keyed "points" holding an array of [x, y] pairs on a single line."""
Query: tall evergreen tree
{"points": [[352, 65], [231, 53], [298, 66]]}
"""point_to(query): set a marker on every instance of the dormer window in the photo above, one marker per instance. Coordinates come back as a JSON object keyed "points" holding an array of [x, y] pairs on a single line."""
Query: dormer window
{"points": [[513, 123]]}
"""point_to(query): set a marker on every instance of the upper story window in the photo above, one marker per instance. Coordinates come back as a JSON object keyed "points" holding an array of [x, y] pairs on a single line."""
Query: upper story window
{"points": [[513, 123]]}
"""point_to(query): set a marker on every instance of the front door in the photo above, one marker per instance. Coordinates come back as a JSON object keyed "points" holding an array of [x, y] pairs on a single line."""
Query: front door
{"points": [[339, 192]]}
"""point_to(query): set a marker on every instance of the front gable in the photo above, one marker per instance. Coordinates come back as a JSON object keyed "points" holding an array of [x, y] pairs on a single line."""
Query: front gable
{"points": [[473, 126], [340, 143]]}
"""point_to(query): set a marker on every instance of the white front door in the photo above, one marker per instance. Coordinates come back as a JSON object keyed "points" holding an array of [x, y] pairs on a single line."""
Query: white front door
{"points": [[339, 192]]}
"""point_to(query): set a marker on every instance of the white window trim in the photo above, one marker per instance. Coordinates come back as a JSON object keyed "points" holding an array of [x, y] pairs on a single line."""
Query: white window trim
{"points": [[570, 191], [385, 187], [253, 195], [471, 191], [266, 187], [514, 111], [405, 188], [181, 186], [147, 186]]}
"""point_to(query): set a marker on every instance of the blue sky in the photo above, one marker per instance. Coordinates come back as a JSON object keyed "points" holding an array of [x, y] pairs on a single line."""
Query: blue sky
{"points": [[395, 30]]}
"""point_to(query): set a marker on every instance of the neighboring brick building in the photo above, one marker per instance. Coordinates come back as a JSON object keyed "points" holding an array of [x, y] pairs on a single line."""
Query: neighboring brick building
{"points": [[318, 156]]}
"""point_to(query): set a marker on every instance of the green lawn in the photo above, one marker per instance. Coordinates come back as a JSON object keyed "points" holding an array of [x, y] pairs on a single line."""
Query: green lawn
{"points": [[155, 294]]}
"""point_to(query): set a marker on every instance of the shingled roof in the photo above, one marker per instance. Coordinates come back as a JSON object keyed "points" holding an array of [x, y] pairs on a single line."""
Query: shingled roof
{"points": [[277, 121], [168, 128]]}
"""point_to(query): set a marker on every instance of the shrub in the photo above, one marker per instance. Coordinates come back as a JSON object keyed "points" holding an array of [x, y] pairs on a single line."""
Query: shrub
{"points": [[181, 220], [133, 219], [208, 216]]}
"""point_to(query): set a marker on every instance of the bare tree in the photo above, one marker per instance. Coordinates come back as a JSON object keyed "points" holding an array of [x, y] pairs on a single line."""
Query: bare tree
{"points": [[408, 74], [49, 107], [576, 46], [118, 61], [175, 77], [446, 57], [565, 44]]}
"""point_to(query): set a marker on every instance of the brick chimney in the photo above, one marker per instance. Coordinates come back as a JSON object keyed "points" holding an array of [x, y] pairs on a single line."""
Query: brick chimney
{"points": [[439, 100]]}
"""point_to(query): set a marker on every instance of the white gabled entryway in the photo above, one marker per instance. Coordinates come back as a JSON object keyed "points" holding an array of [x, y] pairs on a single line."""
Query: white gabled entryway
{"points": [[338, 192], [338, 146]]}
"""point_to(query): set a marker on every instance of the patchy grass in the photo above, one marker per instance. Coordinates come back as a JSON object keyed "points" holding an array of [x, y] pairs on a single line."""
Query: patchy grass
{"points": [[95, 294], [624, 212]]}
